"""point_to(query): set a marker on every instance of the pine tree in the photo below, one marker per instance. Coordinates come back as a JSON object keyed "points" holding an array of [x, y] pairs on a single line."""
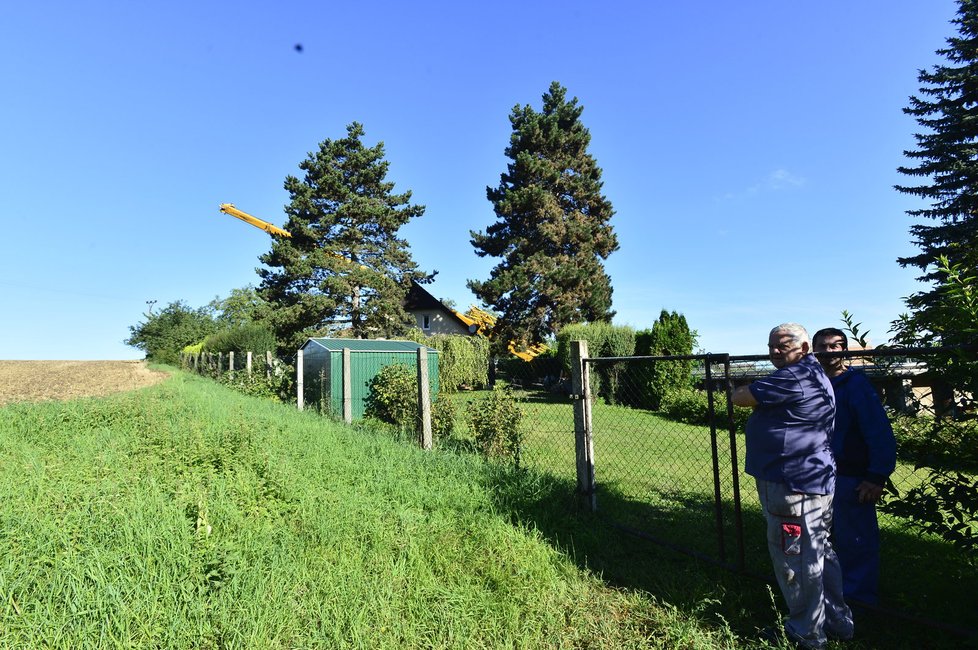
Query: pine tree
{"points": [[344, 270], [552, 230], [947, 162]]}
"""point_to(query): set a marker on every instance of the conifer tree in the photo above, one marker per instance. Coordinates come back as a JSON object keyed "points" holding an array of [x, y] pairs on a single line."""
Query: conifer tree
{"points": [[946, 160], [553, 227], [344, 270]]}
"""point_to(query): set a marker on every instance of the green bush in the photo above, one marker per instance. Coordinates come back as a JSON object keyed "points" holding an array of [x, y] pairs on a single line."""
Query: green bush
{"points": [[603, 339], [692, 407], [393, 396], [497, 422], [670, 336], [463, 361], [249, 337]]}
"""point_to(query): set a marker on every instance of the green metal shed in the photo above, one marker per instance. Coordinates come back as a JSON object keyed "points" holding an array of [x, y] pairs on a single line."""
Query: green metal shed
{"points": [[323, 369]]}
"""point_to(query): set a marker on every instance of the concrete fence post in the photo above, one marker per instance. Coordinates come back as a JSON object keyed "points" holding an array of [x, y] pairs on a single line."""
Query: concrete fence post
{"points": [[231, 361], [268, 364], [299, 388], [583, 432], [424, 398], [248, 363], [347, 396]]}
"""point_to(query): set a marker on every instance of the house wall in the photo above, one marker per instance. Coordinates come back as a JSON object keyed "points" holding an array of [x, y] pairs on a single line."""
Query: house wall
{"points": [[438, 323]]}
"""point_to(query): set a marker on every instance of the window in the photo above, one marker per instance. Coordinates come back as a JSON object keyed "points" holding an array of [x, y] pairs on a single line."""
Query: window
{"points": [[426, 322]]}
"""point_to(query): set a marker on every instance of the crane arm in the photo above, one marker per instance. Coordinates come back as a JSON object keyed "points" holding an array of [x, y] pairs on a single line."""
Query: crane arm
{"points": [[228, 208]]}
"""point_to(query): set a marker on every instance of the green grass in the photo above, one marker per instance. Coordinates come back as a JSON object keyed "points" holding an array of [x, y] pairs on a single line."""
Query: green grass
{"points": [[188, 516]]}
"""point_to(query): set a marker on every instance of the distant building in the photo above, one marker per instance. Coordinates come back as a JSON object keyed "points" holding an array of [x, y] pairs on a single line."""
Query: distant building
{"points": [[432, 316]]}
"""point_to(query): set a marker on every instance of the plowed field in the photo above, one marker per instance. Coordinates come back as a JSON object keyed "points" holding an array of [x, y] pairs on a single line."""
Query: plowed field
{"points": [[35, 381]]}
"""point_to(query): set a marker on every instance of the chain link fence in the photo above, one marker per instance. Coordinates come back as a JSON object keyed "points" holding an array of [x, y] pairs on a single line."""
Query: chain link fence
{"points": [[668, 461]]}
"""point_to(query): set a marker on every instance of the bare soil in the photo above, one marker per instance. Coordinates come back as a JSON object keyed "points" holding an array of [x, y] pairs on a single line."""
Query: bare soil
{"points": [[36, 381]]}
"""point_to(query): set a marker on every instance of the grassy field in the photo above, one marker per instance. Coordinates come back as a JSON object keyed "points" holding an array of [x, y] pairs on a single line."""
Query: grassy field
{"points": [[187, 516]]}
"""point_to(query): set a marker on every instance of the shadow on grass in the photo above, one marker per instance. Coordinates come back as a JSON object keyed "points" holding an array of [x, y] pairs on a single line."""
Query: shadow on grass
{"points": [[931, 584]]}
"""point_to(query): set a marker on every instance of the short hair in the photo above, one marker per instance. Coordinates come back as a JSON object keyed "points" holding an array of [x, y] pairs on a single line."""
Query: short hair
{"points": [[831, 331], [798, 333]]}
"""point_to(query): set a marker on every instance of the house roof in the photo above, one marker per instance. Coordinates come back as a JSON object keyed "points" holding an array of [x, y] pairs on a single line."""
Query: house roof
{"points": [[418, 299]]}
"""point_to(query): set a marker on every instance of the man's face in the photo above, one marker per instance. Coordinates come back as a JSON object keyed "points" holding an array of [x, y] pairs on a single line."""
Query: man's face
{"points": [[831, 343], [784, 350]]}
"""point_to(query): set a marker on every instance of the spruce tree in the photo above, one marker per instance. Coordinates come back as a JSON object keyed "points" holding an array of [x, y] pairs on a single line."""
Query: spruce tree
{"points": [[552, 231], [344, 270], [946, 161]]}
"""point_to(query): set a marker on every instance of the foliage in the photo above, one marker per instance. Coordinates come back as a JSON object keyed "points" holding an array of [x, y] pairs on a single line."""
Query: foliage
{"points": [[497, 421], [619, 342], [241, 307], [945, 163], [691, 406], [945, 505], [936, 442], [258, 384], [344, 269], [552, 231], [443, 414], [246, 337], [393, 396], [162, 335], [463, 361], [596, 335], [852, 328], [670, 335]]}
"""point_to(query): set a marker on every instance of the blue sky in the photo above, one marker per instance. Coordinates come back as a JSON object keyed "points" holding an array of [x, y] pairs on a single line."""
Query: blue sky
{"points": [[749, 148]]}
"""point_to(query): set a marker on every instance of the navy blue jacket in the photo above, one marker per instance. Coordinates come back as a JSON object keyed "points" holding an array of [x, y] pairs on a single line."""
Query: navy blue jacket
{"points": [[790, 431], [863, 442]]}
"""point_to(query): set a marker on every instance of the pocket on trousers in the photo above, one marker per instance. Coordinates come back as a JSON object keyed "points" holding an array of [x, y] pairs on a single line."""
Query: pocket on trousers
{"points": [[782, 503], [791, 539]]}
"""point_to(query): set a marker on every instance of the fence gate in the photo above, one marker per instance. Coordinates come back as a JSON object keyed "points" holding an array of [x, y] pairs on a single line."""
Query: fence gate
{"points": [[675, 482]]}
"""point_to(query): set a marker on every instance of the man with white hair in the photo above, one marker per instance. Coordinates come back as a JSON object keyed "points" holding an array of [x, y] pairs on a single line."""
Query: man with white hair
{"points": [[789, 454]]}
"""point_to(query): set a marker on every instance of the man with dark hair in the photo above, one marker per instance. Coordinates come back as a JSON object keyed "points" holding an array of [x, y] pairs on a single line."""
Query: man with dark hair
{"points": [[789, 456], [865, 456]]}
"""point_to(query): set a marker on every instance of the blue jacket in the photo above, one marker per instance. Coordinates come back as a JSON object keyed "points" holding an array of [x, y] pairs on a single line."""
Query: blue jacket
{"points": [[863, 442], [790, 431]]}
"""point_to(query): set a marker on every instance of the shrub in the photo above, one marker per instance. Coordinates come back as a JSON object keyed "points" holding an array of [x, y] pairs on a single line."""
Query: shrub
{"points": [[463, 361], [393, 396], [497, 421], [670, 336], [692, 407], [249, 337]]}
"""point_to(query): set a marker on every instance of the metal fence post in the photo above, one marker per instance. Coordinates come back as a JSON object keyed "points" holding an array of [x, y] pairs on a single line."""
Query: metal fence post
{"points": [[424, 398], [583, 432], [298, 379]]}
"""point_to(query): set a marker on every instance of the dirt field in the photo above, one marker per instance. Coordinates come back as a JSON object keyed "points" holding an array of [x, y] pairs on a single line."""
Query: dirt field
{"points": [[35, 381]]}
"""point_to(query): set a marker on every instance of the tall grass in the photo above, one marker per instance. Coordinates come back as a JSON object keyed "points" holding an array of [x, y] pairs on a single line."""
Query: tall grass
{"points": [[189, 516]]}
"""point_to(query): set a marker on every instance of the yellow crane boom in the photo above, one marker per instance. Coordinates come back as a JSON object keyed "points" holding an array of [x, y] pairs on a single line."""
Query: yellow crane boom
{"points": [[228, 208]]}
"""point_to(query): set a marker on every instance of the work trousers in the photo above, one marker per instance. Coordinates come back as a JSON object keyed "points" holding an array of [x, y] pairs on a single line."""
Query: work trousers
{"points": [[856, 540], [805, 565]]}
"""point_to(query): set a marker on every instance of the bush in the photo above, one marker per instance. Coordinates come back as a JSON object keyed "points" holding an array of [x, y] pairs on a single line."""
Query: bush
{"points": [[497, 421], [692, 407], [670, 336], [393, 396], [603, 339], [249, 337], [463, 361]]}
